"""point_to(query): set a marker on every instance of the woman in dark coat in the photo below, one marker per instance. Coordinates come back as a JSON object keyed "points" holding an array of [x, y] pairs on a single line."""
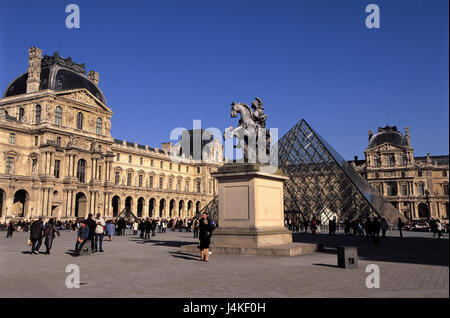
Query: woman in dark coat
{"points": [[205, 233], [10, 229], [50, 231]]}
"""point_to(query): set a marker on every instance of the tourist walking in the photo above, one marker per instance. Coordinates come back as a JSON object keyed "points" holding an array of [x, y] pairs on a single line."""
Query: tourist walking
{"points": [[110, 229], [99, 230], [82, 238], [92, 225], [36, 234], [154, 223], [196, 228], [163, 226], [10, 231], [50, 230], [148, 227], [205, 233], [135, 227], [439, 229], [400, 226]]}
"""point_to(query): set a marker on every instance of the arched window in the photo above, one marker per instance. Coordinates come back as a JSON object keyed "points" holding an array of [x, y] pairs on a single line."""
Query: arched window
{"points": [[99, 126], [80, 121], [21, 113], [37, 115], [58, 116], [81, 170]]}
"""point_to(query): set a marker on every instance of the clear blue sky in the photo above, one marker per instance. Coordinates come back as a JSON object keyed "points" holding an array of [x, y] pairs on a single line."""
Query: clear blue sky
{"points": [[164, 63]]}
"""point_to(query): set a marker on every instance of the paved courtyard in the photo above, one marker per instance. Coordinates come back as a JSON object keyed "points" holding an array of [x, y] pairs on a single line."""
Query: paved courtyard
{"points": [[416, 266]]}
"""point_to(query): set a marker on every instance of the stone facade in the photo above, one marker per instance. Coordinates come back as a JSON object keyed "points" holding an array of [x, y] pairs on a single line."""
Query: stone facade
{"points": [[58, 159], [416, 186]]}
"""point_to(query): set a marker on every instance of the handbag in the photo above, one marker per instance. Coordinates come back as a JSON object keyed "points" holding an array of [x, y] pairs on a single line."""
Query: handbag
{"points": [[29, 242]]}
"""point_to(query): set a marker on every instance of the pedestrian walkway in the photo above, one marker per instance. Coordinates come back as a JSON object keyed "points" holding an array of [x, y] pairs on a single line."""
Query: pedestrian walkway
{"points": [[132, 267]]}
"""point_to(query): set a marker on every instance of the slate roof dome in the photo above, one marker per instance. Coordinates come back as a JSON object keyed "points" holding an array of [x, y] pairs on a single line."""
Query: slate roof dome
{"points": [[58, 74], [387, 134]]}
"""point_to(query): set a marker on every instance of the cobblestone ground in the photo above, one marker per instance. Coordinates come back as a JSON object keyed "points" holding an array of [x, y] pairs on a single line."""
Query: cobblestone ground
{"points": [[416, 266]]}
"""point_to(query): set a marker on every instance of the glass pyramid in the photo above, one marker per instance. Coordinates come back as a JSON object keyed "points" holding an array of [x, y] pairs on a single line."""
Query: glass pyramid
{"points": [[323, 184]]}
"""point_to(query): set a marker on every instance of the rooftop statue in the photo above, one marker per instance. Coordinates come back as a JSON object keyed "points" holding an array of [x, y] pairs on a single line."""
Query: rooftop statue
{"points": [[252, 137]]}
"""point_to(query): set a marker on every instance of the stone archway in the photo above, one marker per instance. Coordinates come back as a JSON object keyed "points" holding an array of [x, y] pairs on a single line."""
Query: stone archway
{"points": [[172, 208], [20, 203], [190, 208], [162, 208], [116, 205], [140, 207], [181, 209], [197, 207], [2, 199], [151, 207], [129, 203], [446, 210], [80, 205]]}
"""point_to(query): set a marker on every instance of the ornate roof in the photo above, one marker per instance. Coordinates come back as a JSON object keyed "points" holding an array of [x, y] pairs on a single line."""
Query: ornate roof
{"points": [[387, 134], [58, 74]]}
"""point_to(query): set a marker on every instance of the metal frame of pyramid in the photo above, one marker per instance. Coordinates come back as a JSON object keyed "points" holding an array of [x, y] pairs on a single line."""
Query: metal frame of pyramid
{"points": [[212, 208], [320, 180], [127, 214]]}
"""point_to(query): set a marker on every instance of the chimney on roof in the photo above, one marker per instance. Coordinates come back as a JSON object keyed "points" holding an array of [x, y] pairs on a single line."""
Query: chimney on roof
{"points": [[407, 135], [370, 134], [94, 77], [166, 146], [356, 158], [34, 69]]}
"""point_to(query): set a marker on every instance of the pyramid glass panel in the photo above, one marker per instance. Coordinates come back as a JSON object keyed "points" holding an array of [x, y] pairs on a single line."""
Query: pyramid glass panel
{"points": [[322, 183]]}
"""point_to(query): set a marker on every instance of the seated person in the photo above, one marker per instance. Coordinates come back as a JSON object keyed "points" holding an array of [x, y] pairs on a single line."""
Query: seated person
{"points": [[82, 237]]}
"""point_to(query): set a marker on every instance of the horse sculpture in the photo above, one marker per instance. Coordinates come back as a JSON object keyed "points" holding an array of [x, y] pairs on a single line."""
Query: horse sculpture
{"points": [[250, 133]]}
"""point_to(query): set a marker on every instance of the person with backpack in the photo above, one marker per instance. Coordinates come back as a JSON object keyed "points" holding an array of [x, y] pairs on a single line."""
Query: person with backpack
{"points": [[50, 230]]}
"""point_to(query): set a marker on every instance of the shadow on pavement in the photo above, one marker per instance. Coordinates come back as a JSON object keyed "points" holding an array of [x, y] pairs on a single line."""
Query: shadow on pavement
{"points": [[162, 243], [326, 265], [413, 250], [185, 256]]}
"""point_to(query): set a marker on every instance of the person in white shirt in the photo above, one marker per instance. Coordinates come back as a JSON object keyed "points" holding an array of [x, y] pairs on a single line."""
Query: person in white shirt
{"points": [[135, 227], [99, 230]]}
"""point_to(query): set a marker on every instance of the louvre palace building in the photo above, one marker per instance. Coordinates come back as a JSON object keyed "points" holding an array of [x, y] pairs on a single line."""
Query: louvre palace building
{"points": [[58, 158], [416, 186]]}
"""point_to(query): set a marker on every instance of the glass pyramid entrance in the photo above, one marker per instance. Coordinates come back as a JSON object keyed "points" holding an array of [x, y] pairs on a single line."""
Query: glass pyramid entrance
{"points": [[322, 183]]}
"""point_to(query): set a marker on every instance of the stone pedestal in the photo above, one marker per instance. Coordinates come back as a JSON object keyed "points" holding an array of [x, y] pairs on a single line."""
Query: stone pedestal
{"points": [[251, 213]]}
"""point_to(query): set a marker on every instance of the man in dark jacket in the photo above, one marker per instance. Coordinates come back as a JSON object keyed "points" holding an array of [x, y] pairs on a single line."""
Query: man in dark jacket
{"points": [[153, 227], [92, 225], [82, 237], [148, 228], [36, 234]]}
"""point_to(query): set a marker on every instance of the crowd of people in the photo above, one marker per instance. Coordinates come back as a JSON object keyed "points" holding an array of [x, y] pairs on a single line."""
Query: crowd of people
{"points": [[371, 227], [95, 229]]}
